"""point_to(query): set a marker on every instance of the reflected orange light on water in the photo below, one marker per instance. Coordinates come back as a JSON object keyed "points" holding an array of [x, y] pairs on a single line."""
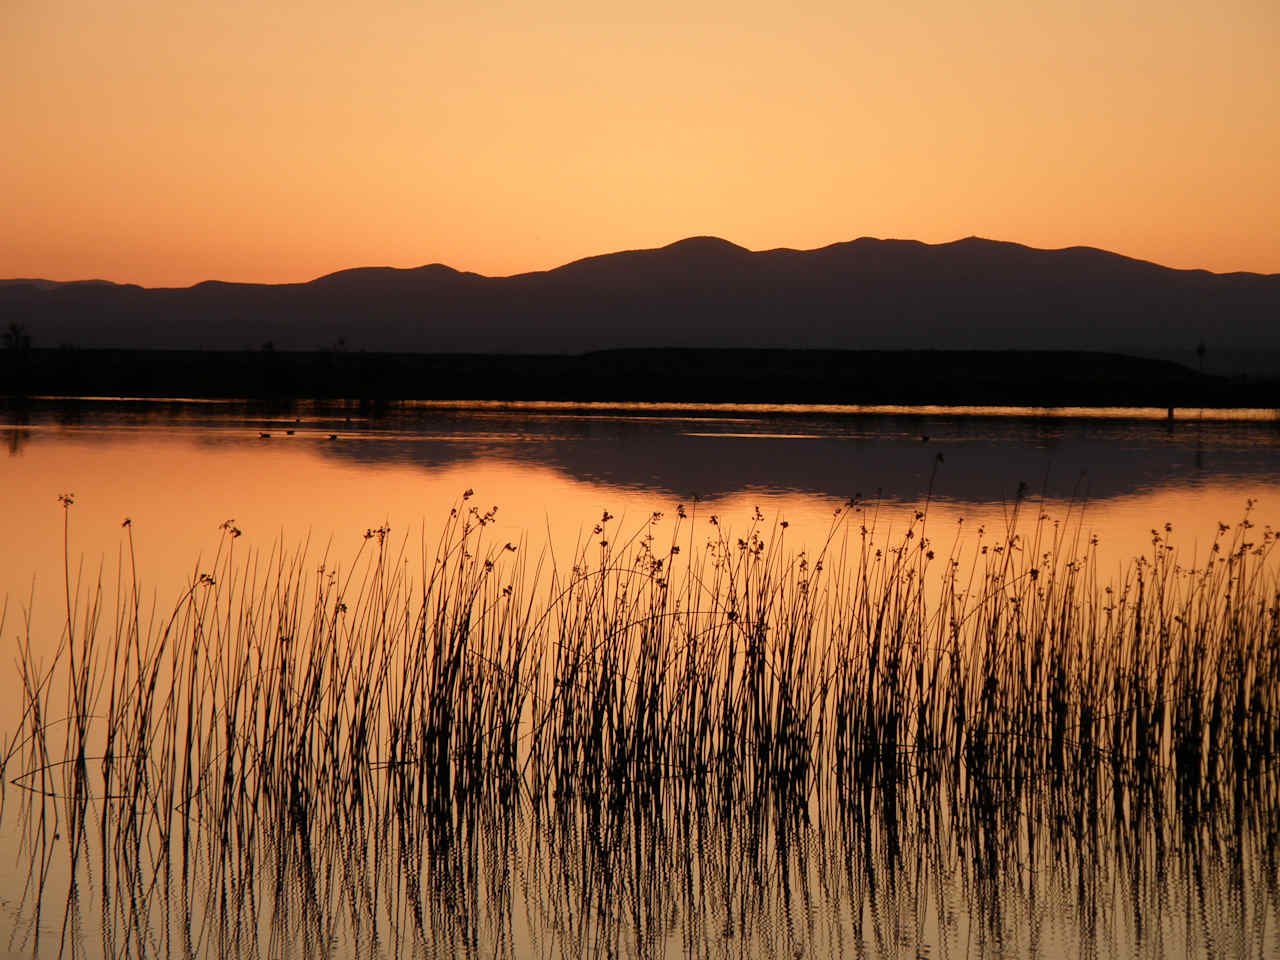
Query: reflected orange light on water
{"points": [[177, 491]]}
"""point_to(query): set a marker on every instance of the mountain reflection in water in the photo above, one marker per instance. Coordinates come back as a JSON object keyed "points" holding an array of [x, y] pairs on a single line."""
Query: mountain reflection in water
{"points": [[894, 456], [714, 453]]}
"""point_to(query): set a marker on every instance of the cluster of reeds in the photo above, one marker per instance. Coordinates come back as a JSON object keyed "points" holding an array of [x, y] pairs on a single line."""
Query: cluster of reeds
{"points": [[319, 728]]}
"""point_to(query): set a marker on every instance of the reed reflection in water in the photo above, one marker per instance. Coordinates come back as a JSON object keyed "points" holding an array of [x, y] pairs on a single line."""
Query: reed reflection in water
{"points": [[703, 744]]}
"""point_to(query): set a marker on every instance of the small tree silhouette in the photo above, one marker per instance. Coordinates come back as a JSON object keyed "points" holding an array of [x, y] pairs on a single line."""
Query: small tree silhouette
{"points": [[16, 337], [15, 361]]}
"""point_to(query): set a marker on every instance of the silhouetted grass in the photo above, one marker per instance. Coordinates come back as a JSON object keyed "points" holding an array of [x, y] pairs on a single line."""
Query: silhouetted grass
{"points": [[369, 743]]}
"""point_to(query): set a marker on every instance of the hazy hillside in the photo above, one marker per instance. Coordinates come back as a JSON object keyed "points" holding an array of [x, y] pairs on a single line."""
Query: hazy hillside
{"points": [[700, 292]]}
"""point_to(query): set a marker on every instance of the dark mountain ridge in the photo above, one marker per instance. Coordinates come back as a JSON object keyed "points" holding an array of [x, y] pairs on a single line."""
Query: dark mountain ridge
{"points": [[702, 292]]}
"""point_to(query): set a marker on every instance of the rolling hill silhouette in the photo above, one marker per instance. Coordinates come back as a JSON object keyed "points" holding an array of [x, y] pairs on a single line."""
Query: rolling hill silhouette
{"points": [[701, 292]]}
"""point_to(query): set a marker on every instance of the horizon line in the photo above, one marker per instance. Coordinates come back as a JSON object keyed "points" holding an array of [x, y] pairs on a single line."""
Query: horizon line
{"points": [[99, 281]]}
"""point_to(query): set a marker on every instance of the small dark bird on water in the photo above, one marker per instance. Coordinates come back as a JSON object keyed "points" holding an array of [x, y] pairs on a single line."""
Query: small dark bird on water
{"points": [[288, 433], [333, 436], [264, 436]]}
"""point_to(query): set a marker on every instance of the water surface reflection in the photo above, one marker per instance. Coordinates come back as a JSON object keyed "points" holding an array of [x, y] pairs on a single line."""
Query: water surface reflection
{"points": [[591, 882], [712, 455], [893, 857]]}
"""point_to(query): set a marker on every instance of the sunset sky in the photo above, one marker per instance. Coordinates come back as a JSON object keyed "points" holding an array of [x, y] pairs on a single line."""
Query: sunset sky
{"points": [[165, 142]]}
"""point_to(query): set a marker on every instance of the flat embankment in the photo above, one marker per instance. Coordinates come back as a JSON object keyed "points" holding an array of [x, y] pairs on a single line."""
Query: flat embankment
{"points": [[1013, 377]]}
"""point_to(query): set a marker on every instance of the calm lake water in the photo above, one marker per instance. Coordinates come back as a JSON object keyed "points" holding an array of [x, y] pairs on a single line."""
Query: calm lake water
{"points": [[687, 882]]}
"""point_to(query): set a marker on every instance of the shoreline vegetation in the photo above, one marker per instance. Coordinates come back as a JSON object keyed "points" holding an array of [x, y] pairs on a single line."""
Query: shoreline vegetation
{"points": [[340, 742], [1019, 378]]}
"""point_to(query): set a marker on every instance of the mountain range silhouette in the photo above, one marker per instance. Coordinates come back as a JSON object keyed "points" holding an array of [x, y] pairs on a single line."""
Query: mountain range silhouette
{"points": [[700, 292]]}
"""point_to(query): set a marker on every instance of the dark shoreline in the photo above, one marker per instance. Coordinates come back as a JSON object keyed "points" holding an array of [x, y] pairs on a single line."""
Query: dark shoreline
{"points": [[944, 377]]}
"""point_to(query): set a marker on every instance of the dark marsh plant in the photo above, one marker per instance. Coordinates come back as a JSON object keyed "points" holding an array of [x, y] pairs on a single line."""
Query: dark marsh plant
{"points": [[328, 725]]}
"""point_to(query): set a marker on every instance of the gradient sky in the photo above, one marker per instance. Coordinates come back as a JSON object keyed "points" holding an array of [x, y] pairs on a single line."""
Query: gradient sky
{"points": [[166, 142]]}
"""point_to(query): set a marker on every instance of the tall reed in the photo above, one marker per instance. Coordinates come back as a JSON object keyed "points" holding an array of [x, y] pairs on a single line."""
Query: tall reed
{"points": [[675, 677]]}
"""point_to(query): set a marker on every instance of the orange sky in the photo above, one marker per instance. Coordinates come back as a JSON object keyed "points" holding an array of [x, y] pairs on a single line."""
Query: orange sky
{"points": [[166, 143]]}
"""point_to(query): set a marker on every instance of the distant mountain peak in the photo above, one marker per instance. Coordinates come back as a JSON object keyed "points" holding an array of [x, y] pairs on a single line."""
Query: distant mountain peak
{"points": [[372, 281], [41, 284], [704, 244]]}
